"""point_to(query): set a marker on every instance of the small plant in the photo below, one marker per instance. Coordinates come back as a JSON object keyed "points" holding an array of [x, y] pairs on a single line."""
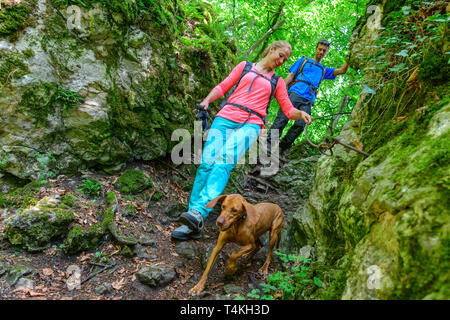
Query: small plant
{"points": [[90, 187], [68, 98], [48, 165], [285, 284], [3, 161]]}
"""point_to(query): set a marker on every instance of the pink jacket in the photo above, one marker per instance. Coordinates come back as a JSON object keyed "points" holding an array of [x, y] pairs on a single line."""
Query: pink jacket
{"points": [[257, 99]]}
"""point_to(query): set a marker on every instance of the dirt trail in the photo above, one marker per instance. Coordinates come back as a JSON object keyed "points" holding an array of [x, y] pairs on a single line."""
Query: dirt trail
{"points": [[52, 274]]}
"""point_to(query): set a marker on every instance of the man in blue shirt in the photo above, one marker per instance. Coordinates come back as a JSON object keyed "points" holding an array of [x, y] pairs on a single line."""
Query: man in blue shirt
{"points": [[302, 90]]}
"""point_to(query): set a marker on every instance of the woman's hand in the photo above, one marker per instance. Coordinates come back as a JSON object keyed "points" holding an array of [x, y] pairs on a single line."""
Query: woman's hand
{"points": [[299, 114], [306, 117], [204, 104]]}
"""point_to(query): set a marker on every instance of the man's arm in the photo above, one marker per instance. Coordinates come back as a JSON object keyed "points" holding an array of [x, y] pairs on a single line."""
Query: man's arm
{"points": [[341, 70], [289, 78]]}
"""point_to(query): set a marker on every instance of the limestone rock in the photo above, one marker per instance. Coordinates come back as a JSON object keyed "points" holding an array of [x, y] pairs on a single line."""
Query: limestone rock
{"points": [[35, 227], [156, 275]]}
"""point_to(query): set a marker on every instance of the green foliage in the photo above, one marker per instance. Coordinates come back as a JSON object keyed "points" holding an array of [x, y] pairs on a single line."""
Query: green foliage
{"points": [[288, 284], [306, 23], [68, 98], [90, 187], [48, 166]]}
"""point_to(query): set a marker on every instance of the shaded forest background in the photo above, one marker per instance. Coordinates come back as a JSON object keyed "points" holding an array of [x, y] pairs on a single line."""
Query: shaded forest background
{"points": [[254, 24]]}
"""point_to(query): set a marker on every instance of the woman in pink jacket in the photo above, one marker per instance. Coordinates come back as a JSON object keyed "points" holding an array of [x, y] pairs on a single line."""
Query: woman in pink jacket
{"points": [[235, 128]]}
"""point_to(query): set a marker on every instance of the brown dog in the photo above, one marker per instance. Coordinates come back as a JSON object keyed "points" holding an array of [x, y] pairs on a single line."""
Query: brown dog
{"points": [[242, 223]]}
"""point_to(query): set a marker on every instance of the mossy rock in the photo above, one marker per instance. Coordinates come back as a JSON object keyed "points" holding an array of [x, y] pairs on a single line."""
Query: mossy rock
{"points": [[21, 197], [128, 252], [78, 240], [69, 200], [34, 228], [133, 181]]}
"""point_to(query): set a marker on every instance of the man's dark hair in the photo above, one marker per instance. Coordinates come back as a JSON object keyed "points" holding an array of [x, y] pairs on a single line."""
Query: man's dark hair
{"points": [[324, 42]]}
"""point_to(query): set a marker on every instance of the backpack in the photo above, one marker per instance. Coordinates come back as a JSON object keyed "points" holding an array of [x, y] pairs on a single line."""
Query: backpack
{"points": [[300, 71], [273, 83]]}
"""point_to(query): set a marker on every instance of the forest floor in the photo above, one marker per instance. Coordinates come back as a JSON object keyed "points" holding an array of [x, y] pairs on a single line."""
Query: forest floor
{"points": [[52, 269]]}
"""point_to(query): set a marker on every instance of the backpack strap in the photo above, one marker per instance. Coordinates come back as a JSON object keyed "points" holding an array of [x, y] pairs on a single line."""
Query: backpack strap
{"points": [[312, 88], [247, 69], [273, 83]]}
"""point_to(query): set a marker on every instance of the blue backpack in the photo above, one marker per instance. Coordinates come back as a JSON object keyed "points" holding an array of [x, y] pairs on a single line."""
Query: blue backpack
{"points": [[312, 88]]}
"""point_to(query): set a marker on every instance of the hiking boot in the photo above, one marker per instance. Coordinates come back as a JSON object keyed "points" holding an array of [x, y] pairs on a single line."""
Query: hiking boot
{"points": [[193, 219], [184, 233]]}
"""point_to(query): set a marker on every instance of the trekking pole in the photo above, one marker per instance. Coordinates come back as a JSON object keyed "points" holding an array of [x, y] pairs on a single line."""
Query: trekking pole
{"points": [[203, 114]]}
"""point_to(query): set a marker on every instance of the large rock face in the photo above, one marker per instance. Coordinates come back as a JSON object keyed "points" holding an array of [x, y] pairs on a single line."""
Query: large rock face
{"points": [[99, 86], [380, 224]]}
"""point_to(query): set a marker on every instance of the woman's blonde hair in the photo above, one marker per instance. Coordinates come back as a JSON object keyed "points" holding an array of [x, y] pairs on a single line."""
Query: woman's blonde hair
{"points": [[277, 45]]}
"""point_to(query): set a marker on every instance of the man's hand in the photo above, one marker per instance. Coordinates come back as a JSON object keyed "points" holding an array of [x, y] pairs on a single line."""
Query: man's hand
{"points": [[341, 70]]}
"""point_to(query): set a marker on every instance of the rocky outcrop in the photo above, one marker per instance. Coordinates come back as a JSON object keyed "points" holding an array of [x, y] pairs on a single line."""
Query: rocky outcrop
{"points": [[379, 224], [101, 85], [35, 227]]}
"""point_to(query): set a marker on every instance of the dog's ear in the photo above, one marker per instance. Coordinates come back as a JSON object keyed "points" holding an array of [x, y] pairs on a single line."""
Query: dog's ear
{"points": [[213, 202], [251, 212]]}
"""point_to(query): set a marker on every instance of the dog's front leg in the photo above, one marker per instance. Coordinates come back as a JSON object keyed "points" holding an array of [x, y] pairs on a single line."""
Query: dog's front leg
{"points": [[236, 254], [221, 241]]}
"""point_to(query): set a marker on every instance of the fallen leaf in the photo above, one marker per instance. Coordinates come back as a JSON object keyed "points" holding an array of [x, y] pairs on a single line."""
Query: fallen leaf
{"points": [[358, 144], [399, 119], [29, 292], [32, 293], [414, 75], [47, 272], [435, 96], [118, 285], [86, 257]]}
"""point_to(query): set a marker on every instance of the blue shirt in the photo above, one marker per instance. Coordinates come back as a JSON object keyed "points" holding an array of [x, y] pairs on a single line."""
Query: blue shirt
{"points": [[312, 74]]}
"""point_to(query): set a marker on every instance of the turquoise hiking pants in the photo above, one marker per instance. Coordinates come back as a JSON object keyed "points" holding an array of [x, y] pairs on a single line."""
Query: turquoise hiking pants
{"points": [[223, 148]]}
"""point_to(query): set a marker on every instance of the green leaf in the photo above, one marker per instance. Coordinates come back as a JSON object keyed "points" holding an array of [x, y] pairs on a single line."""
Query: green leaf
{"points": [[406, 10], [403, 53], [368, 89], [398, 67], [318, 282]]}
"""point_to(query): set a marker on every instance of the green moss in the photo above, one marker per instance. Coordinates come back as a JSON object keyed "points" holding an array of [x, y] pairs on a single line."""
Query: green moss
{"points": [[11, 67], [69, 200], [35, 229], [127, 252], [133, 182], [38, 99], [157, 195], [78, 240], [434, 67], [110, 198], [14, 18], [21, 197], [108, 218], [335, 280]]}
